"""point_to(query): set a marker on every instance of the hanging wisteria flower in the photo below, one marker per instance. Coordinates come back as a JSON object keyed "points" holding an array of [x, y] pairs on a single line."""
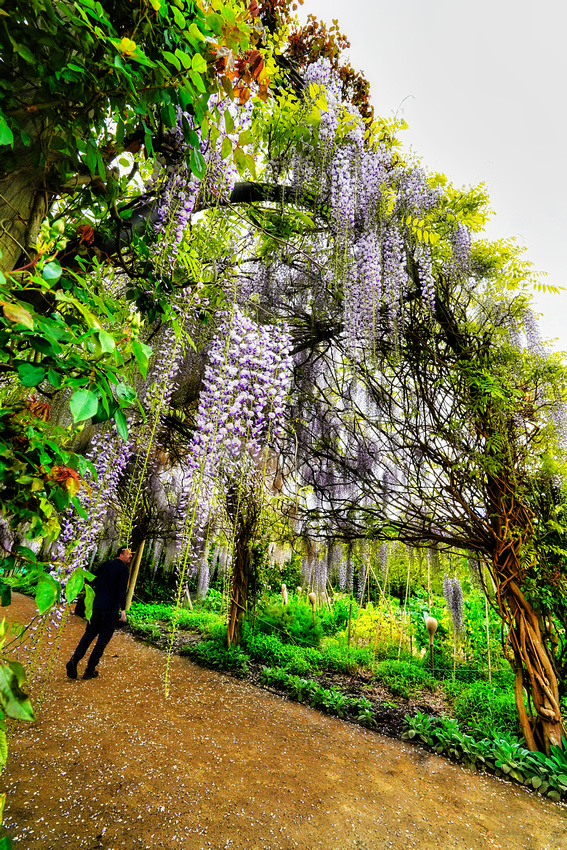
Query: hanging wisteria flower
{"points": [[453, 594], [79, 536], [244, 388]]}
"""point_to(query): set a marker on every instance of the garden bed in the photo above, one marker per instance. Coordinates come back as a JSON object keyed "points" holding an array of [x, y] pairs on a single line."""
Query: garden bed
{"points": [[415, 707]]}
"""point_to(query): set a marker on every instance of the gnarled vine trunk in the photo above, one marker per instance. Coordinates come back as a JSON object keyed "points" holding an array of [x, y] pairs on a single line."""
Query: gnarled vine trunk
{"points": [[239, 583], [542, 724], [245, 514]]}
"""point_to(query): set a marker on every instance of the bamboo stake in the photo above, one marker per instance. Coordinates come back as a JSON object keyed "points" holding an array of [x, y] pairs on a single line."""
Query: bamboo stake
{"points": [[488, 638], [134, 575], [403, 613]]}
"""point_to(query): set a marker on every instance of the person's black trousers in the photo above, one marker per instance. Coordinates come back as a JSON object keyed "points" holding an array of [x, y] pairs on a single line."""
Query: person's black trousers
{"points": [[102, 624]]}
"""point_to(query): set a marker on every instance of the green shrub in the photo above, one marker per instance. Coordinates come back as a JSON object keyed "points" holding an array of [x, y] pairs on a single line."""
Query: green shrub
{"points": [[487, 706], [213, 601], [148, 631], [404, 679], [292, 623], [213, 654], [346, 660], [197, 621], [269, 650], [335, 618], [148, 611]]}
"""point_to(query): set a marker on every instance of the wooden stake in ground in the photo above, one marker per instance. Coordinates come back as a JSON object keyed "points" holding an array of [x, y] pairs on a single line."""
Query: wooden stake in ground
{"points": [[134, 574]]}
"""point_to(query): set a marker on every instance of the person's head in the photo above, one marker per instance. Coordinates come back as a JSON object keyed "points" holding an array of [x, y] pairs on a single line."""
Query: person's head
{"points": [[124, 554]]}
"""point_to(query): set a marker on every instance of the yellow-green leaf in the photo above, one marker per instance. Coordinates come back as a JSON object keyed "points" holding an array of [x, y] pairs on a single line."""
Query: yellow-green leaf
{"points": [[17, 313], [226, 148], [239, 160], [245, 138], [228, 122], [199, 64]]}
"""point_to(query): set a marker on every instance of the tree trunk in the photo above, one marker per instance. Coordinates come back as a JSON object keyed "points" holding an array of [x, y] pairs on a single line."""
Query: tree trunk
{"points": [[533, 667], [23, 206], [239, 584]]}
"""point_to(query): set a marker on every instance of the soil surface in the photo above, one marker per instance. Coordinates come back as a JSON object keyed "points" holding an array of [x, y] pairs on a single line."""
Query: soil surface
{"points": [[114, 764]]}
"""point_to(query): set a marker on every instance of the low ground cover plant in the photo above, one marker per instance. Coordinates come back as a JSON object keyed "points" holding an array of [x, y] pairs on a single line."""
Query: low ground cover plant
{"points": [[501, 753], [330, 700], [213, 654], [484, 704], [404, 679]]}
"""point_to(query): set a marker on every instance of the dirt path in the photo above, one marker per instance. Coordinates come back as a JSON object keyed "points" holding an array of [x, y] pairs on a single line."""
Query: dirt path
{"points": [[111, 764]]}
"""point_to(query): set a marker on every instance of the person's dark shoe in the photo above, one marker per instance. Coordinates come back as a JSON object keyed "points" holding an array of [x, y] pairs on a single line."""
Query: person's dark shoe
{"points": [[90, 674], [71, 668]]}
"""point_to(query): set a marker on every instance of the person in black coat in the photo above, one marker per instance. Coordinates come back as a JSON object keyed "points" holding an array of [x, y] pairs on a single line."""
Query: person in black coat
{"points": [[110, 586]]}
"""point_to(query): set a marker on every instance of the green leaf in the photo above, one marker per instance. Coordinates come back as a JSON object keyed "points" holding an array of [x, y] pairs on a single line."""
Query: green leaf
{"points": [[226, 147], [18, 671], [179, 18], [18, 314], [172, 59], [31, 375], [89, 599], [6, 843], [3, 750], [199, 64], [107, 343], [245, 138], [14, 701], [83, 404], [121, 424], [240, 160], [197, 81], [251, 165], [25, 53], [125, 394], [51, 271], [74, 584], [228, 122], [54, 379], [142, 353], [184, 59], [60, 498], [6, 135], [47, 593], [197, 163], [79, 508]]}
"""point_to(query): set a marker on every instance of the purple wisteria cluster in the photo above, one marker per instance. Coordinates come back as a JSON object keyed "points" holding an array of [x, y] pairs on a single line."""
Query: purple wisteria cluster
{"points": [[461, 243], [422, 256], [79, 537], [533, 334], [162, 383], [109, 455], [380, 209], [558, 416], [174, 211], [373, 199], [244, 388], [182, 188], [415, 194], [453, 593]]}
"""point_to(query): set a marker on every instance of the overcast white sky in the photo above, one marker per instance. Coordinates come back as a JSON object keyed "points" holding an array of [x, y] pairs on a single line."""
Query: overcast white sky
{"points": [[482, 87]]}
